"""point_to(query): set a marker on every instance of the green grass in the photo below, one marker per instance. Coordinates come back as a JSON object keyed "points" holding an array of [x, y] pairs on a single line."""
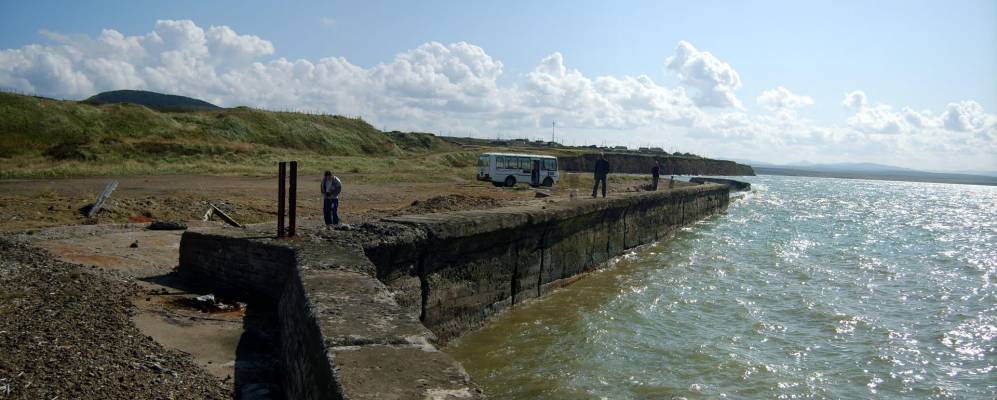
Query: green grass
{"points": [[49, 138]]}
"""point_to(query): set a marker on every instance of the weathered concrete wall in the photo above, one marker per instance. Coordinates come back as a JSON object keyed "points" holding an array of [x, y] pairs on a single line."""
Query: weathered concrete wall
{"points": [[458, 269], [364, 323], [734, 185], [231, 263], [342, 334]]}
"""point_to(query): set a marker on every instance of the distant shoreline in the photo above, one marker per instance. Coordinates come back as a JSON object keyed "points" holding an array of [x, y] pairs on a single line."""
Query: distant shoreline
{"points": [[914, 176]]}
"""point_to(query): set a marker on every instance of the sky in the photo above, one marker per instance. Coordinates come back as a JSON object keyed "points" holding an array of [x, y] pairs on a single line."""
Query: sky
{"points": [[905, 83]]}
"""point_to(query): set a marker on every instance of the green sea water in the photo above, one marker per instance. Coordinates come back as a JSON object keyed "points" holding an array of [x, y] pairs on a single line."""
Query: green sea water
{"points": [[803, 288]]}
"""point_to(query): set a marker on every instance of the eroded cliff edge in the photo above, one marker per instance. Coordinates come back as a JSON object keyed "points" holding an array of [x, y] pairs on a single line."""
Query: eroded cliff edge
{"points": [[670, 165]]}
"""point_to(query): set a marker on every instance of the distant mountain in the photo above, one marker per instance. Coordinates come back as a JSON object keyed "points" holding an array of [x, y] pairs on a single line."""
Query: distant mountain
{"points": [[153, 100], [975, 172], [850, 167], [877, 172], [865, 170]]}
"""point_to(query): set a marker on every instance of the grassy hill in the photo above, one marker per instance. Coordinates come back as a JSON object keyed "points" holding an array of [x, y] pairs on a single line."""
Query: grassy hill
{"points": [[46, 138], [153, 100], [42, 137]]}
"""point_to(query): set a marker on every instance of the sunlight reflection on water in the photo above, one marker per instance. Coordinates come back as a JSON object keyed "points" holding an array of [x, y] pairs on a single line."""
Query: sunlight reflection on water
{"points": [[804, 288]]}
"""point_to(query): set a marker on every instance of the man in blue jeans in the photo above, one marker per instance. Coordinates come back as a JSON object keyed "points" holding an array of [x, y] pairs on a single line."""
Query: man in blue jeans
{"points": [[601, 170], [331, 186]]}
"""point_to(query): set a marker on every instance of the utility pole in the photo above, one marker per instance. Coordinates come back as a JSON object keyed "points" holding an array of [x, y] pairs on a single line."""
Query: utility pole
{"points": [[552, 125]]}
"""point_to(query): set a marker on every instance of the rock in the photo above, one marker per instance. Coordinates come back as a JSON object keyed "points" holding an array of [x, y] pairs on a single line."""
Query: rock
{"points": [[167, 226], [541, 194], [207, 299], [134, 244]]}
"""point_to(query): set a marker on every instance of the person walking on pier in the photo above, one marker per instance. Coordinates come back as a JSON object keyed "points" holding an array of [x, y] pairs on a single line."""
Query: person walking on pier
{"points": [[655, 175], [331, 186], [601, 170]]}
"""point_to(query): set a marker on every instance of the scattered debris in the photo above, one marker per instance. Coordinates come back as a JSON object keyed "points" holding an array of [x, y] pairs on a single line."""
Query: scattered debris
{"points": [[211, 304], [167, 226], [541, 194], [207, 214], [134, 245], [102, 198], [224, 216]]}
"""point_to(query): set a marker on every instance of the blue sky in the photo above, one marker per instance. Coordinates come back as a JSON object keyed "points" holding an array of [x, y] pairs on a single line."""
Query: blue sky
{"points": [[937, 59]]}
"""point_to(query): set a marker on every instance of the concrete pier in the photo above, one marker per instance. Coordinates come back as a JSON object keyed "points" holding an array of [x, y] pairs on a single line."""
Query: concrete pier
{"points": [[361, 312]]}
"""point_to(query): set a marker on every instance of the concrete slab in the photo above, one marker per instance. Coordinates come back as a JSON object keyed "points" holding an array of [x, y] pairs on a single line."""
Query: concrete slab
{"points": [[392, 372]]}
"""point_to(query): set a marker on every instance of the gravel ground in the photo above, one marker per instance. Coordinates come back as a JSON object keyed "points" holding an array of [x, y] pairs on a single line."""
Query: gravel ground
{"points": [[65, 333]]}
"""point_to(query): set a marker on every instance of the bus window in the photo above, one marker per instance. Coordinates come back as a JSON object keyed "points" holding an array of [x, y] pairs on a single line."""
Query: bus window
{"points": [[550, 164], [499, 161], [482, 161], [524, 163]]}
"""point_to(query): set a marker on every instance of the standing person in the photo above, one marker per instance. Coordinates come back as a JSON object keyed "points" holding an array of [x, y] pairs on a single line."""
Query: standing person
{"points": [[671, 182], [601, 170], [331, 186], [655, 174]]}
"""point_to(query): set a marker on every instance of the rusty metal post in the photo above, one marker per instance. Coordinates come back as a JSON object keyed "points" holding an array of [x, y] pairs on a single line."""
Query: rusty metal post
{"points": [[292, 199], [281, 176]]}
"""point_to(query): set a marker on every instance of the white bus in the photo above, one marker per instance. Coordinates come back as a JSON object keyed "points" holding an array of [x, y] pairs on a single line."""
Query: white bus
{"points": [[503, 169]]}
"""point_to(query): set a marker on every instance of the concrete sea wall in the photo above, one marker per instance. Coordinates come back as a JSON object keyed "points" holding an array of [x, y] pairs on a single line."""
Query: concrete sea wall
{"points": [[460, 268], [734, 185], [364, 321]]}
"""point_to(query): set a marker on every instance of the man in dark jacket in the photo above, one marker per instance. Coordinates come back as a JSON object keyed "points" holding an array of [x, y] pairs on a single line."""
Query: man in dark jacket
{"points": [[655, 174], [331, 187], [601, 170]]}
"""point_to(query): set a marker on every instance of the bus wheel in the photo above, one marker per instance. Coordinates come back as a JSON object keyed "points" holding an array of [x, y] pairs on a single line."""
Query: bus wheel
{"points": [[510, 181], [548, 182]]}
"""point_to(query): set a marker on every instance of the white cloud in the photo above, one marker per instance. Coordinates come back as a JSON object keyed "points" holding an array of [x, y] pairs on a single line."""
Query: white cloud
{"points": [[781, 99], [453, 88], [855, 99], [225, 44], [965, 116], [603, 102], [968, 116], [714, 80]]}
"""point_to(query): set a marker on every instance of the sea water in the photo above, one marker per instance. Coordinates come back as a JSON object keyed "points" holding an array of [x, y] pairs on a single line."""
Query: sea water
{"points": [[803, 288]]}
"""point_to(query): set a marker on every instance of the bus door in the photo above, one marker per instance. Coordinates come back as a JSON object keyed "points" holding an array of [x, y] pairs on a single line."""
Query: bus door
{"points": [[523, 174], [535, 173]]}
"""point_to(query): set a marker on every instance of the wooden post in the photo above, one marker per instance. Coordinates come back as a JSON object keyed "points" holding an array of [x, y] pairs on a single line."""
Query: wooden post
{"points": [[292, 199], [281, 176]]}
